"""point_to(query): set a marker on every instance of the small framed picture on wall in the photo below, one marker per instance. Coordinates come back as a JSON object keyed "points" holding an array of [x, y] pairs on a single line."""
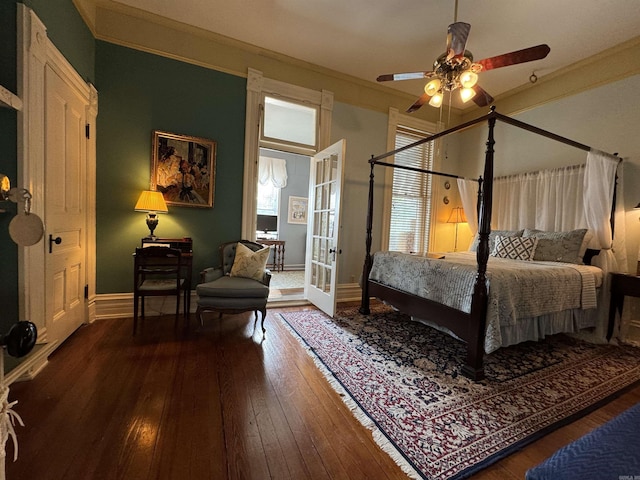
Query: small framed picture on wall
{"points": [[297, 210]]}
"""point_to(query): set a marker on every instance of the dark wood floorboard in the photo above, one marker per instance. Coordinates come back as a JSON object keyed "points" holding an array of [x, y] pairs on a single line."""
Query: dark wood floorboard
{"points": [[219, 402]]}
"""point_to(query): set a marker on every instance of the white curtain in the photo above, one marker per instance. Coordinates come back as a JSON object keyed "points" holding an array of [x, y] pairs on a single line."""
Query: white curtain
{"points": [[550, 200], [599, 184], [272, 170], [469, 197]]}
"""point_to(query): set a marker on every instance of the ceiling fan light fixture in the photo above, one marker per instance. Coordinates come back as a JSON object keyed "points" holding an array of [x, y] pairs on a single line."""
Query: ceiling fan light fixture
{"points": [[468, 79], [436, 99], [432, 87], [467, 94]]}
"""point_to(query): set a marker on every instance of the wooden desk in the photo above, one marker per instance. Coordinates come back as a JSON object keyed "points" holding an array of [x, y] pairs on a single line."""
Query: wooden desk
{"points": [[278, 252], [185, 245], [621, 285]]}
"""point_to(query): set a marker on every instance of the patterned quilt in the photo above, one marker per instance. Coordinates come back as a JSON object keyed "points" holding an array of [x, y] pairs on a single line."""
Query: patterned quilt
{"points": [[517, 289]]}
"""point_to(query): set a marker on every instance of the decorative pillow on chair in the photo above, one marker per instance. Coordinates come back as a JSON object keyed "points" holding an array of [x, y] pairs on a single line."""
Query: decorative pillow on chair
{"points": [[250, 264], [515, 248]]}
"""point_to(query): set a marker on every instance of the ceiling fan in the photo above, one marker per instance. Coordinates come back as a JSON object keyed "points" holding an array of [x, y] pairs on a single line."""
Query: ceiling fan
{"points": [[456, 69]]}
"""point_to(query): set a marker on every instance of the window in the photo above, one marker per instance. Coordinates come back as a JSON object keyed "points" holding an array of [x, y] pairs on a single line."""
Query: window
{"points": [[410, 217], [289, 123], [268, 199]]}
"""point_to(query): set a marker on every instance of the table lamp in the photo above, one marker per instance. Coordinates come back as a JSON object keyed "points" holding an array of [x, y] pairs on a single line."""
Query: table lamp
{"points": [[152, 203], [457, 217]]}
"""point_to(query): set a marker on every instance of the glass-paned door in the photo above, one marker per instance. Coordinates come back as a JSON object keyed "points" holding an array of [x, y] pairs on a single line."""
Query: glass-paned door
{"points": [[323, 228]]}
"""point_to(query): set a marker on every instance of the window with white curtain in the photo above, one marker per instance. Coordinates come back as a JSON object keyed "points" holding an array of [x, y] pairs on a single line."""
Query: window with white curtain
{"points": [[272, 176], [410, 216]]}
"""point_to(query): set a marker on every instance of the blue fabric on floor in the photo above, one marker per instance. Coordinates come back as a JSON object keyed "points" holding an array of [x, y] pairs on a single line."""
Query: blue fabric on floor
{"points": [[611, 451]]}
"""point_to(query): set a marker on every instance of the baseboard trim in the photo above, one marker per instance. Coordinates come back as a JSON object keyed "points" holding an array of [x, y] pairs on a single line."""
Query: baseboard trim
{"points": [[120, 305], [31, 366]]}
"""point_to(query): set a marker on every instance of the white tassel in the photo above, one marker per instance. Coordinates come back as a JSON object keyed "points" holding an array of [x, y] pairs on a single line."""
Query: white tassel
{"points": [[8, 418]]}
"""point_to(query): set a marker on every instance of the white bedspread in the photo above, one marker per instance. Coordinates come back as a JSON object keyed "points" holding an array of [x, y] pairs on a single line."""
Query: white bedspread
{"points": [[517, 289]]}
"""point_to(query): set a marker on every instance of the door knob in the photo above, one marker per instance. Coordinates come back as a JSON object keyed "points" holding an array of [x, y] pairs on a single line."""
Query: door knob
{"points": [[52, 240]]}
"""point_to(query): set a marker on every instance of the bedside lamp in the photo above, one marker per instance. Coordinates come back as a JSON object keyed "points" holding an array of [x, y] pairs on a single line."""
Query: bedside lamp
{"points": [[457, 217], [152, 203]]}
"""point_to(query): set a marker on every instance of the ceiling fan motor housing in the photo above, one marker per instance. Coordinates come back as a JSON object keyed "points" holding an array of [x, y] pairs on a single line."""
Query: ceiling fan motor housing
{"points": [[450, 69]]}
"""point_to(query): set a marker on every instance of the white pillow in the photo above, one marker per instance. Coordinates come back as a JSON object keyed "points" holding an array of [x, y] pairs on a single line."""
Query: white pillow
{"points": [[249, 264], [515, 248]]}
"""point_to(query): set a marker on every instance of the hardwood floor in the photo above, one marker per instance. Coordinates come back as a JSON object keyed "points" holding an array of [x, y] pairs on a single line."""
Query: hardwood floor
{"points": [[215, 403]]}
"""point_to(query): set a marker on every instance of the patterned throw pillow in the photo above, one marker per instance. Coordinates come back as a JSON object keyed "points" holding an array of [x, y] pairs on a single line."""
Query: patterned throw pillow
{"points": [[558, 246], [515, 248], [249, 264], [492, 238]]}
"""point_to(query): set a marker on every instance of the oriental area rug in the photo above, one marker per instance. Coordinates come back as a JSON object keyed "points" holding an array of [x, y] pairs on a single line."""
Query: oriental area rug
{"points": [[401, 379]]}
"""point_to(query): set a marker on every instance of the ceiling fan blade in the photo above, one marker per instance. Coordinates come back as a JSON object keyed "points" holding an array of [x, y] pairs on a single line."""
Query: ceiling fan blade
{"points": [[520, 56], [481, 98], [424, 98], [457, 34], [390, 77]]}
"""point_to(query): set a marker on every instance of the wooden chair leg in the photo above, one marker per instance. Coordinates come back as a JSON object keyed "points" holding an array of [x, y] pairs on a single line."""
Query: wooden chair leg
{"points": [[135, 313], [178, 301], [199, 315], [264, 314]]}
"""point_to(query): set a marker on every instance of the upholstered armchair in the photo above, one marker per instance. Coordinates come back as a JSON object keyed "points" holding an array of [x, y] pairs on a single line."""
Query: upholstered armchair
{"points": [[239, 284]]}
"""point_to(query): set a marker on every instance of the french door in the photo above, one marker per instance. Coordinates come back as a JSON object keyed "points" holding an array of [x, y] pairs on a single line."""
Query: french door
{"points": [[323, 227]]}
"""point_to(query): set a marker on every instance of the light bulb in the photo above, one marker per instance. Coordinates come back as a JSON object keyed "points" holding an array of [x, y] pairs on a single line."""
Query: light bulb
{"points": [[436, 100], [432, 87], [467, 94], [468, 79]]}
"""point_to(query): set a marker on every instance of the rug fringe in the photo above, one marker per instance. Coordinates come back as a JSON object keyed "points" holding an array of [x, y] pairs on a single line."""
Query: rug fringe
{"points": [[380, 438]]}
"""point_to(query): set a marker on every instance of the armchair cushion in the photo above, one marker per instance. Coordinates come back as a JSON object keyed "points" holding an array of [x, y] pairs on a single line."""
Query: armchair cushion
{"points": [[235, 287], [250, 264]]}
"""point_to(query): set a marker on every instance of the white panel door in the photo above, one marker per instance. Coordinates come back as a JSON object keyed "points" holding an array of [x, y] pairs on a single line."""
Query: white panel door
{"points": [[65, 193], [323, 227]]}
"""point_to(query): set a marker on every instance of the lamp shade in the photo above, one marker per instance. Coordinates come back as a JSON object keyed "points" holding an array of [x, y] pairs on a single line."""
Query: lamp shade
{"points": [[457, 216], [151, 202]]}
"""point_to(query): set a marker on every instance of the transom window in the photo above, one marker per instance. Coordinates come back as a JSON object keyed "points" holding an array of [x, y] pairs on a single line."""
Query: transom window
{"points": [[289, 123]]}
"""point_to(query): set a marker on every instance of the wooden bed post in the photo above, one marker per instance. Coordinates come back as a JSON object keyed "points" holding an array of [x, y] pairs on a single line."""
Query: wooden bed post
{"points": [[364, 303], [473, 367]]}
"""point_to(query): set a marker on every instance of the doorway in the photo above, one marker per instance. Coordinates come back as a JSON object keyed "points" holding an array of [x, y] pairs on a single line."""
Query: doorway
{"points": [[283, 183], [305, 134]]}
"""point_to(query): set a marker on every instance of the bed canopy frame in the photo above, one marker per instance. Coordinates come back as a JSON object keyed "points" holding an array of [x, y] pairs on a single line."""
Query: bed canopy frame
{"points": [[470, 327]]}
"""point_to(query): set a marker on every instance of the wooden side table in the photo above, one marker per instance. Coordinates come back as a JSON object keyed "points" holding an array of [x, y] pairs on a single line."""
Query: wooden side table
{"points": [[621, 285], [278, 252]]}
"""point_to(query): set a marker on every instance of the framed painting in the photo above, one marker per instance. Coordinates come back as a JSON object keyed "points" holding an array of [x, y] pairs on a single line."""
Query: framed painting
{"points": [[183, 169], [297, 210]]}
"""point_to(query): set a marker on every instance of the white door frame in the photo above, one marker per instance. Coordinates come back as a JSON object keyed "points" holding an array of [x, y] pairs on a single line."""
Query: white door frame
{"points": [[35, 52], [257, 86]]}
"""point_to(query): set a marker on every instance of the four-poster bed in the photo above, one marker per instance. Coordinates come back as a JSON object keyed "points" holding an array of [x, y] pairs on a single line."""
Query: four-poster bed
{"points": [[469, 323]]}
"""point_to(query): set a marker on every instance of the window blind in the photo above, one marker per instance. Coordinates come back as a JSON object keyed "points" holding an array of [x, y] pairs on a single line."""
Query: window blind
{"points": [[411, 194]]}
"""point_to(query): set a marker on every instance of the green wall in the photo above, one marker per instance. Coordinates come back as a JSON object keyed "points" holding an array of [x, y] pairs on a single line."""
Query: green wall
{"points": [[138, 93], [8, 166]]}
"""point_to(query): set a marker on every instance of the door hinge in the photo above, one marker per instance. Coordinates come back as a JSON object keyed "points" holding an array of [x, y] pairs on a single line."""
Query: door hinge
{"points": [[87, 130], [86, 292]]}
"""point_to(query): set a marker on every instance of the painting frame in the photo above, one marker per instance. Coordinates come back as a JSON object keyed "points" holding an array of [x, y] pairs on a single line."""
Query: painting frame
{"points": [[297, 211], [183, 169]]}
